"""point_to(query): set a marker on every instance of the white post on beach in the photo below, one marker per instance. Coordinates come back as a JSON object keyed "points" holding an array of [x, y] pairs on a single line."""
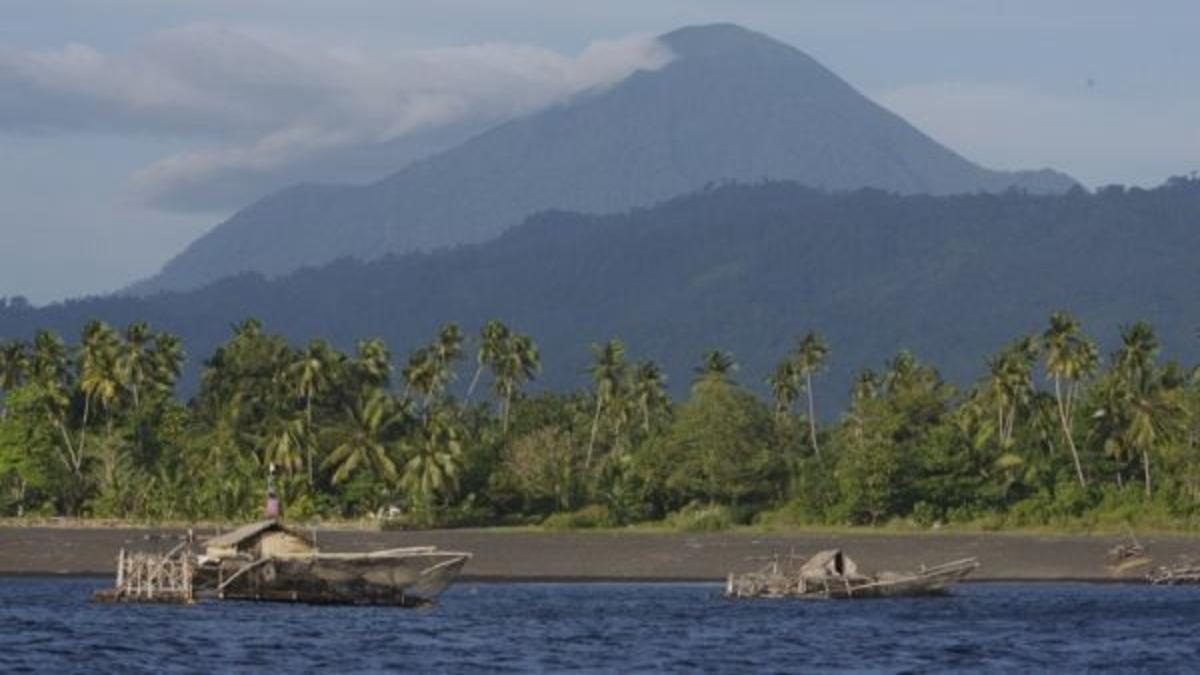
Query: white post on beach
{"points": [[120, 571]]}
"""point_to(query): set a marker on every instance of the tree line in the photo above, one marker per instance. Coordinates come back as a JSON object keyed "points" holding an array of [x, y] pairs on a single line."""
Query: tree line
{"points": [[453, 434]]}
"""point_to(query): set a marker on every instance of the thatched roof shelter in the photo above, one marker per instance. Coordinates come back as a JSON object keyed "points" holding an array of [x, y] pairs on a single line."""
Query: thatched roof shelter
{"points": [[256, 540]]}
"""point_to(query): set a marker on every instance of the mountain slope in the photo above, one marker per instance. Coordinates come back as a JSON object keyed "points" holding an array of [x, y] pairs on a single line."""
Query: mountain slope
{"points": [[743, 268], [733, 105]]}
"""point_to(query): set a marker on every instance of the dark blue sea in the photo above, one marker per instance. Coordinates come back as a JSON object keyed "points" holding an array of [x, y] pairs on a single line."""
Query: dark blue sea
{"points": [[50, 625]]}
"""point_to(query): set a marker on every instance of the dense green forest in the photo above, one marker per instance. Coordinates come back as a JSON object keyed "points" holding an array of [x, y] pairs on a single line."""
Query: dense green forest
{"points": [[1055, 432], [736, 266]]}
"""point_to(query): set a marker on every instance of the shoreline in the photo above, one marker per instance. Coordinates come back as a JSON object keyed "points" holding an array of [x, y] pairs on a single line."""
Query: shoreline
{"points": [[535, 556]]}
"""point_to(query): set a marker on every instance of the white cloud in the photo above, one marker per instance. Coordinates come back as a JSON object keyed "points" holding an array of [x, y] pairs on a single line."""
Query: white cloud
{"points": [[1096, 137], [263, 110]]}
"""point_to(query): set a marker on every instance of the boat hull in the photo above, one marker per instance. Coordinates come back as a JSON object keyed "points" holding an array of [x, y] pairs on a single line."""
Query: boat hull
{"points": [[777, 584], [403, 579]]}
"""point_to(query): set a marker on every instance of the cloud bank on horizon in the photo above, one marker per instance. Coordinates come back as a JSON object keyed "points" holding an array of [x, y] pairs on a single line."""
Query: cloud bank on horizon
{"points": [[268, 110]]}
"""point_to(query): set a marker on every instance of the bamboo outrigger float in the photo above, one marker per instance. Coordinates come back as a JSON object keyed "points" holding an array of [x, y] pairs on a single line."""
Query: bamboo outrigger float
{"points": [[833, 575]]}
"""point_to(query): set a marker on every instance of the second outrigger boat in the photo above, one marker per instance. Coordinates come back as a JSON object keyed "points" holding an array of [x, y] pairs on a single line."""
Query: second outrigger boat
{"points": [[833, 575]]}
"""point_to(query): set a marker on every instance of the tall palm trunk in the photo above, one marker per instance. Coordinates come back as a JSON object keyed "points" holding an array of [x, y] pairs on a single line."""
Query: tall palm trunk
{"points": [[309, 444], [474, 383], [1146, 470], [812, 420], [587, 462], [87, 400], [508, 394], [1066, 427]]}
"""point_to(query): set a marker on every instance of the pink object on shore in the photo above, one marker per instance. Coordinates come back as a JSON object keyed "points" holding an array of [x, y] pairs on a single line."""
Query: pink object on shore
{"points": [[272, 507]]}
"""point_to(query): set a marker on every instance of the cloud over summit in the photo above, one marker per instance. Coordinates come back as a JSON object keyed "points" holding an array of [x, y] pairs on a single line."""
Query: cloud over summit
{"points": [[260, 111]]}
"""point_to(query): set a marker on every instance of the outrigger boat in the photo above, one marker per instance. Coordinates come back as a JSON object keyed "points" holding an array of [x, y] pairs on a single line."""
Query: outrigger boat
{"points": [[833, 575], [269, 560]]}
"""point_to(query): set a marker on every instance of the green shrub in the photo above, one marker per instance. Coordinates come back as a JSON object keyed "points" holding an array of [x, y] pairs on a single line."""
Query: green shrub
{"points": [[591, 516], [702, 518]]}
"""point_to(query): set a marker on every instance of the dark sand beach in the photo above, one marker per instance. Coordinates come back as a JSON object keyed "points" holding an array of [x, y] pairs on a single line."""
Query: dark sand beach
{"points": [[573, 556]]}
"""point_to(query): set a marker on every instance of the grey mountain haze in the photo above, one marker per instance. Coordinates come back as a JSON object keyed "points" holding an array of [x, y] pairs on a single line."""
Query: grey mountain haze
{"points": [[733, 105]]}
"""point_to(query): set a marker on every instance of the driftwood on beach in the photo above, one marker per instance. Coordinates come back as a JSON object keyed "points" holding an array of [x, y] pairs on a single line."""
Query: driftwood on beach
{"points": [[1185, 572]]}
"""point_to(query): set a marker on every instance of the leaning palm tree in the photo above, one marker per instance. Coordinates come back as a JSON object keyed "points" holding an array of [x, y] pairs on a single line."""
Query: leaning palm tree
{"points": [[809, 358], [608, 371], [434, 461], [1070, 357], [367, 441], [493, 339]]}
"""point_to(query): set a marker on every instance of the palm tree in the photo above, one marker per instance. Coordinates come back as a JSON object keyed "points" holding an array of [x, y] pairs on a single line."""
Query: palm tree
{"points": [[373, 363], [492, 341], [649, 390], [48, 361], [519, 362], [368, 440], [99, 376], [608, 371], [134, 362], [783, 382], [434, 461], [419, 374], [1153, 409], [447, 351], [166, 362], [14, 367], [716, 364], [810, 358], [53, 390], [283, 442], [1070, 357], [309, 376], [865, 387], [903, 372], [1010, 384]]}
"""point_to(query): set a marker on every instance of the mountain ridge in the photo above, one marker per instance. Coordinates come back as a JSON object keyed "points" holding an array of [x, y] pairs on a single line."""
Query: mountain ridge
{"points": [[745, 268], [732, 105]]}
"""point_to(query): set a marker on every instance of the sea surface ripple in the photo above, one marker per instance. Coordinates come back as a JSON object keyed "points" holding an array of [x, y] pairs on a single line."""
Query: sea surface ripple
{"points": [[51, 625]]}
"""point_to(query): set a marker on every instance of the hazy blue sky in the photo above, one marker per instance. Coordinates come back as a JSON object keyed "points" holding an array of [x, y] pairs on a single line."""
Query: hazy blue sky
{"points": [[129, 127]]}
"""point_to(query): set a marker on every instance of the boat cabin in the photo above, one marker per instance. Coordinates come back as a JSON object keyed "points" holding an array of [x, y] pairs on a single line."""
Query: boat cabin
{"points": [[266, 538]]}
